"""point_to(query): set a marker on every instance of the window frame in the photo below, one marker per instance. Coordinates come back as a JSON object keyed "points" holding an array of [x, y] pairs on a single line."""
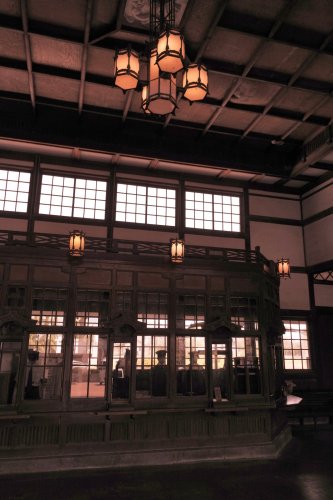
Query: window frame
{"points": [[72, 218], [310, 350], [15, 213], [161, 227], [234, 234]]}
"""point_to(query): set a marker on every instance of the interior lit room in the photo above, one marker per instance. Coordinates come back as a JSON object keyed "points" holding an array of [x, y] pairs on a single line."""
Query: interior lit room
{"points": [[166, 230]]}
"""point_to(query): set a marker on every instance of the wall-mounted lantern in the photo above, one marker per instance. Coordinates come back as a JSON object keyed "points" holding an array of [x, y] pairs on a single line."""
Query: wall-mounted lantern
{"points": [[76, 243], [283, 268], [177, 251]]}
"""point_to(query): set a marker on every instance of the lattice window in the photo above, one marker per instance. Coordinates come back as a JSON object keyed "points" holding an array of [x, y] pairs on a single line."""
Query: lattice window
{"points": [[92, 307], [190, 312], [244, 312], [124, 301], [71, 197], [89, 366], [153, 309], [212, 211], [16, 296], [296, 351], [49, 306], [146, 205], [44, 370], [14, 190]]}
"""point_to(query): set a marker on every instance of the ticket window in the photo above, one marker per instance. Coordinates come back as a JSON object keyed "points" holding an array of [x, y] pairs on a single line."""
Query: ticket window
{"points": [[10, 354], [220, 372], [246, 365], [121, 370]]}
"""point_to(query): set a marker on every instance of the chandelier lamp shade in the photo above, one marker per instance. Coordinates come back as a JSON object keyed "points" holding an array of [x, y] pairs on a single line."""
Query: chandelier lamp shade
{"points": [[177, 251], [283, 268], [127, 66], [170, 51], [195, 82], [76, 243], [165, 59], [161, 89]]}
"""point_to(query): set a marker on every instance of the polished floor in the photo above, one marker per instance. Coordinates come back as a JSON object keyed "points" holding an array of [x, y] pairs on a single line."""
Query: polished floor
{"points": [[304, 471]]}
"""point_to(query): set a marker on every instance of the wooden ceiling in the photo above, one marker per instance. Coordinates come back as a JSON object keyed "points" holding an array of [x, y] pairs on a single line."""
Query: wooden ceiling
{"points": [[266, 121]]}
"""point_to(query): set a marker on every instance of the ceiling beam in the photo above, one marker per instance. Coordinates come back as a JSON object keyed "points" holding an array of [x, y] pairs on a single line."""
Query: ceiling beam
{"points": [[27, 47], [236, 83], [87, 25], [281, 92], [114, 28]]}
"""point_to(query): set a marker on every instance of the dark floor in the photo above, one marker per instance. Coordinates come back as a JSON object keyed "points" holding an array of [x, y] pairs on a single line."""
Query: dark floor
{"points": [[304, 471]]}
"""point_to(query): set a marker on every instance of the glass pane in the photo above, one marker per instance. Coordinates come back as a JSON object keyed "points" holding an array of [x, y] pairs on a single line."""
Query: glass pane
{"points": [[220, 373], [151, 366], [9, 367], [121, 370], [191, 366]]}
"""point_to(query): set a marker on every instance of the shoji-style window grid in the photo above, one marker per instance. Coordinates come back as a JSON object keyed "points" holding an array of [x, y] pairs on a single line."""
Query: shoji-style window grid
{"points": [[244, 312], [212, 211], [16, 296], [245, 351], [71, 197], [14, 190], [146, 205], [49, 306], [124, 301], [296, 351], [147, 347], [92, 307], [153, 309], [190, 311]]}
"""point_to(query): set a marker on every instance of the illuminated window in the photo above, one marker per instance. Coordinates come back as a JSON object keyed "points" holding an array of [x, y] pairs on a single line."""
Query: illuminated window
{"points": [[70, 197], [244, 312], [296, 352], [190, 312], [151, 366], [14, 190], [44, 369], [191, 365], [146, 205], [246, 365], [49, 306], [153, 309], [212, 211], [91, 307], [89, 366]]}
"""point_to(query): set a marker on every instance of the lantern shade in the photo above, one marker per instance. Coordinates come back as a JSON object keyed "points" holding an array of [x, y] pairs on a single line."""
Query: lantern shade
{"points": [[127, 66], [177, 251], [170, 51], [195, 82], [162, 90], [144, 96], [76, 243], [283, 268]]}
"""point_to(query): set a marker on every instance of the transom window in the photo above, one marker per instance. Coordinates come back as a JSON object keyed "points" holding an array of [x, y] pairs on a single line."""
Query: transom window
{"points": [[49, 306], [153, 309], [190, 312], [146, 205], [70, 197], [296, 352], [14, 190], [92, 307], [212, 211]]}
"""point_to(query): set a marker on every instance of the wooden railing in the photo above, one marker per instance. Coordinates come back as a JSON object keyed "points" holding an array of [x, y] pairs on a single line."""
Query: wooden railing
{"points": [[129, 247]]}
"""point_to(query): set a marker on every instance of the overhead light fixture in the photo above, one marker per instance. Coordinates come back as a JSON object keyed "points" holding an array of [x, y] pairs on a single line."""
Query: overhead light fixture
{"points": [[76, 243], [165, 58], [283, 268], [177, 250], [127, 66]]}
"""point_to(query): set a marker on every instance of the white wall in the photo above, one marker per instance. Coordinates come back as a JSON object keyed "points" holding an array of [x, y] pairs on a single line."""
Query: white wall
{"points": [[318, 238], [324, 296]]}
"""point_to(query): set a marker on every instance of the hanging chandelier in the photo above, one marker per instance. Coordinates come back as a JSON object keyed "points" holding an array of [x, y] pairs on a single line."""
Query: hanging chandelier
{"points": [[165, 59]]}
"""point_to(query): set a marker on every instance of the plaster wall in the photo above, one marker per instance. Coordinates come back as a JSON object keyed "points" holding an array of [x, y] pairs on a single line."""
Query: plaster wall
{"points": [[275, 207], [318, 238], [64, 229], [318, 200], [278, 240], [323, 295], [294, 292]]}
